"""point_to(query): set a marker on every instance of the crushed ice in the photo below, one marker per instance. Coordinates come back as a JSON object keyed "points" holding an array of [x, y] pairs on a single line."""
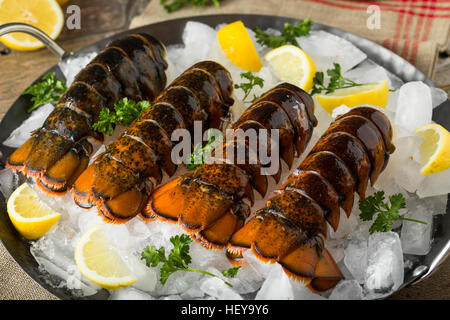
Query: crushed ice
{"points": [[372, 264]]}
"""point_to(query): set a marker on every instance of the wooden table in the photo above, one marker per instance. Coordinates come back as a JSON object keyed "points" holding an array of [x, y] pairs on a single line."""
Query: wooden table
{"points": [[103, 18]]}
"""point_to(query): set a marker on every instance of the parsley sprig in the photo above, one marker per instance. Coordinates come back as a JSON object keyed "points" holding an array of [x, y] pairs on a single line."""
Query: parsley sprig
{"points": [[386, 212], [232, 272], [337, 81], [177, 4], [247, 87], [177, 260], [199, 155], [125, 111], [49, 89], [288, 34]]}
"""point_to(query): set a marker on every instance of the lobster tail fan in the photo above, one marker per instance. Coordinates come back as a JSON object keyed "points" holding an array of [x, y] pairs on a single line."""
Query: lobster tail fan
{"points": [[317, 268], [326, 275], [166, 202], [17, 159]]}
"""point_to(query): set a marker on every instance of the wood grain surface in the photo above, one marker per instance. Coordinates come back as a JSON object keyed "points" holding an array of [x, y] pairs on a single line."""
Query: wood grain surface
{"points": [[20, 69]]}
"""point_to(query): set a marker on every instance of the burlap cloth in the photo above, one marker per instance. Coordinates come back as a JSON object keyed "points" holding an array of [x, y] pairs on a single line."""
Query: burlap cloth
{"points": [[416, 30]]}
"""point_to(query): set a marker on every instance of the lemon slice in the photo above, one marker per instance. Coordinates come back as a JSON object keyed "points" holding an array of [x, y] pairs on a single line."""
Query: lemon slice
{"points": [[435, 149], [43, 14], [238, 46], [100, 262], [29, 215], [293, 65], [375, 93]]}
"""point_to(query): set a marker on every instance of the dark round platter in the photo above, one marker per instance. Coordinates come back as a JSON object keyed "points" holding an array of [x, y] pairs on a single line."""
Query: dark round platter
{"points": [[170, 32]]}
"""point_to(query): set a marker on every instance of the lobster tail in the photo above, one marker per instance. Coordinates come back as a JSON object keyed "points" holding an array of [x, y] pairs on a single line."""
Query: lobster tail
{"points": [[214, 201], [119, 180], [291, 228], [58, 152]]}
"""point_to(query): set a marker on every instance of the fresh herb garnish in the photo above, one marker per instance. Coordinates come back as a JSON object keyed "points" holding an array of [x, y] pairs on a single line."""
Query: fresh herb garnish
{"points": [[200, 153], [247, 87], [49, 89], [337, 81], [387, 213], [178, 259], [177, 4], [125, 111], [232, 272], [288, 34]]}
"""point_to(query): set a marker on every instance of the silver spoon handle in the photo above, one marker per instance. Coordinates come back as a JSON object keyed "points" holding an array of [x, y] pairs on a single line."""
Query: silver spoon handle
{"points": [[38, 34]]}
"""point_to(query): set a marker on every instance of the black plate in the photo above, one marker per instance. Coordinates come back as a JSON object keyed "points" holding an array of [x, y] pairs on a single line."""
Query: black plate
{"points": [[170, 32]]}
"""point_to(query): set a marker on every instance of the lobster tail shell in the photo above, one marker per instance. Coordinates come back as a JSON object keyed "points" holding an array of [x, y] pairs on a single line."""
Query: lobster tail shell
{"points": [[213, 202], [119, 180], [292, 226], [57, 153]]}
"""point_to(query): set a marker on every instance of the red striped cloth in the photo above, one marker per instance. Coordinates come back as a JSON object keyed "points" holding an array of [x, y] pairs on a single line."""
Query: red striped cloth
{"points": [[414, 29], [414, 20]]}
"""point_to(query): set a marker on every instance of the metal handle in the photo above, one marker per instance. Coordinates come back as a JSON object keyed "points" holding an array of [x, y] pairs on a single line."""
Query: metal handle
{"points": [[38, 34]]}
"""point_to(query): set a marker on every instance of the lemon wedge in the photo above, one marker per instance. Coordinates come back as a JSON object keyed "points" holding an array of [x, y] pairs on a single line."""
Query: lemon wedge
{"points": [[238, 47], [43, 14], [99, 262], [29, 215], [435, 149], [375, 93], [293, 65]]}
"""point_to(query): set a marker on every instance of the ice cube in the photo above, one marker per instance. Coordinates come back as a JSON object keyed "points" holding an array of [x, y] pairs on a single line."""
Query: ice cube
{"points": [[261, 269], [404, 164], [347, 290], [301, 291], [326, 48], [368, 71], [9, 181], [438, 96], [414, 105], [197, 39], [216, 288], [277, 286], [355, 258], [336, 248], [416, 237], [146, 276], [71, 66], [346, 225], [203, 258], [392, 102], [193, 292], [435, 184], [129, 294], [338, 111], [385, 269], [177, 283], [22, 133]]}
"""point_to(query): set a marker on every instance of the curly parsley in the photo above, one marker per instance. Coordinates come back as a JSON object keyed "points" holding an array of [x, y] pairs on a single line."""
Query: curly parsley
{"points": [[199, 155], [178, 4], [48, 90], [247, 87], [337, 81], [178, 259], [125, 111], [386, 212], [288, 34]]}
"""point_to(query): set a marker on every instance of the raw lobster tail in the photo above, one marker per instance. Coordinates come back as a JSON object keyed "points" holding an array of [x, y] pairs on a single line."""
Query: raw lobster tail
{"points": [[292, 226], [57, 153], [119, 180], [209, 202]]}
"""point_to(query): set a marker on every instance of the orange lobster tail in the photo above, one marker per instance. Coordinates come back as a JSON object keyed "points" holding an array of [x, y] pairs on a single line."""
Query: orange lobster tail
{"points": [[210, 202], [120, 179], [292, 227], [58, 152]]}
